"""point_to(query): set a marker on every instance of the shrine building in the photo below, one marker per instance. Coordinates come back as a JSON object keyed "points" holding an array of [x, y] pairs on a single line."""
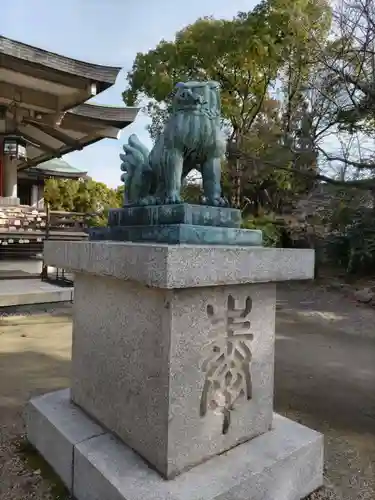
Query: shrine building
{"points": [[44, 115]]}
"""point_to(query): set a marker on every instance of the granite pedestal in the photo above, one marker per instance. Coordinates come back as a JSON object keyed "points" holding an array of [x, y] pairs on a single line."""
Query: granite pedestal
{"points": [[173, 358]]}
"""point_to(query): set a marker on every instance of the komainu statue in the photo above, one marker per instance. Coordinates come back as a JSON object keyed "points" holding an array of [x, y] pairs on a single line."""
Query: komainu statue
{"points": [[192, 139]]}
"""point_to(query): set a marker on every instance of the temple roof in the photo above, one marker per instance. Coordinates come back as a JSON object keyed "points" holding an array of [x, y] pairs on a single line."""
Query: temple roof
{"points": [[59, 168], [56, 167], [42, 98], [29, 56]]}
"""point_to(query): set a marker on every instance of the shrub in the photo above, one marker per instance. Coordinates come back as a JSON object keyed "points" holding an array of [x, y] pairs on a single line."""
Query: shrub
{"points": [[272, 230], [353, 246]]}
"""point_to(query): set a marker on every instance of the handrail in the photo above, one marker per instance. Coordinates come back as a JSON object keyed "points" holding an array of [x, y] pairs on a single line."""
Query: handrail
{"points": [[48, 233]]}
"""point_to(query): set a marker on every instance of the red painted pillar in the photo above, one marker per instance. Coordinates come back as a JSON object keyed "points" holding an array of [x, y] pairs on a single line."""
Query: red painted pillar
{"points": [[1, 169]]}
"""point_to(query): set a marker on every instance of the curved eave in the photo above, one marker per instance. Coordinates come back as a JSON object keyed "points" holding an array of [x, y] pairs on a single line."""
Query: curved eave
{"points": [[117, 116], [61, 152], [102, 74], [38, 173], [78, 128]]}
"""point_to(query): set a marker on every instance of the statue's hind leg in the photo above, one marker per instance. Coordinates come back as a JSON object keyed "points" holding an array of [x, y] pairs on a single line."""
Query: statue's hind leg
{"points": [[173, 172], [211, 176]]}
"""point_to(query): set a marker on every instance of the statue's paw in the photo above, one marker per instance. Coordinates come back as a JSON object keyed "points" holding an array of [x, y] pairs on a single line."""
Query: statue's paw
{"points": [[215, 202], [224, 202], [150, 200], [172, 199], [144, 201]]}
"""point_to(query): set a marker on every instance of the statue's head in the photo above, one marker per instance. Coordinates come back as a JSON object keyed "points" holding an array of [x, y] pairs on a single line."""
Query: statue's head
{"points": [[198, 96]]}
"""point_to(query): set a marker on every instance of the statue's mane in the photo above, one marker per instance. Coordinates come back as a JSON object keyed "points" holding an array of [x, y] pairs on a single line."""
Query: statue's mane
{"points": [[210, 93], [195, 126]]}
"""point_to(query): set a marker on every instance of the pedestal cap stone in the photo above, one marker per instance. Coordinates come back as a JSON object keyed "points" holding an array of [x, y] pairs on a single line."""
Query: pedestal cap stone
{"points": [[181, 266]]}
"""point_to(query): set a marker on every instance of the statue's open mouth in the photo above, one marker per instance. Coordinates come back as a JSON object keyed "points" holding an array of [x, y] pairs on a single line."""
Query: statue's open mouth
{"points": [[189, 98]]}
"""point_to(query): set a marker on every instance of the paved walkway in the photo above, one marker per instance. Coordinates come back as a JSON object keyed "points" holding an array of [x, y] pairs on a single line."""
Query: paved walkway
{"points": [[325, 378], [24, 285], [30, 265], [32, 291]]}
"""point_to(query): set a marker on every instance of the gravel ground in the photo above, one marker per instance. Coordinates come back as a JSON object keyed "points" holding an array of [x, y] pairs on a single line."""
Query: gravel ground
{"points": [[324, 379], [32, 361]]}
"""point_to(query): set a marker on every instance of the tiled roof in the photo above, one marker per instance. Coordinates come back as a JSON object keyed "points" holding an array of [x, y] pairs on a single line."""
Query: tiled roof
{"points": [[59, 167], [99, 73]]}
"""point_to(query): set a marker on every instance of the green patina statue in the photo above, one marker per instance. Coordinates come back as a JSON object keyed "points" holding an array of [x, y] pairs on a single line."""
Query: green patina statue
{"points": [[192, 139]]}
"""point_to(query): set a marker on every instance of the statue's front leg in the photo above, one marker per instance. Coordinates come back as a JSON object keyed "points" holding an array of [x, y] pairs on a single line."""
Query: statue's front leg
{"points": [[172, 176], [211, 176]]}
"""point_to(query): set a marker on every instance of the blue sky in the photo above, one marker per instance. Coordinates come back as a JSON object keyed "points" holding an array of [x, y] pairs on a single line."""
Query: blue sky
{"points": [[106, 32]]}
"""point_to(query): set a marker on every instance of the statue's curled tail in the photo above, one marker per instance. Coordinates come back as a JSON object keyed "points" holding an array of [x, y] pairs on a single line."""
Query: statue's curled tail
{"points": [[135, 165]]}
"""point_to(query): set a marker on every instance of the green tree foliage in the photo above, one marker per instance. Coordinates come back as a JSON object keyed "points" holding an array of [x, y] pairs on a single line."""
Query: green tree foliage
{"points": [[230, 52], [272, 231], [246, 55], [86, 196], [268, 178]]}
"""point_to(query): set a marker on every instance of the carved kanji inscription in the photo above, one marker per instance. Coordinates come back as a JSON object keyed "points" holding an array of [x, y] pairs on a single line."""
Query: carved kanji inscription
{"points": [[227, 363]]}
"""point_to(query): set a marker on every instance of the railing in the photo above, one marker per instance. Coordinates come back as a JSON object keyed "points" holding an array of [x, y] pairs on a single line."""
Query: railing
{"points": [[64, 226], [23, 231]]}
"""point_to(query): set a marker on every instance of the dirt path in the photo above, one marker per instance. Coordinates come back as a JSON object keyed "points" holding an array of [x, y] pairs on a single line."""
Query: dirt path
{"points": [[324, 378], [34, 358]]}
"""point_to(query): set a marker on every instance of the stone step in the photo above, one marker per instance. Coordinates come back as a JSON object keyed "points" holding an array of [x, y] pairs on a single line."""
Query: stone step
{"points": [[285, 463]]}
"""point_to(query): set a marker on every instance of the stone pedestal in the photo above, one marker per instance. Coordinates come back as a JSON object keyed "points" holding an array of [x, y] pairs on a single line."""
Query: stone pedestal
{"points": [[173, 361], [178, 224]]}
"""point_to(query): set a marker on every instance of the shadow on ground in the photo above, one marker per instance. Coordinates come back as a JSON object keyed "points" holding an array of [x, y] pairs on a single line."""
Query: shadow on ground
{"points": [[26, 374], [325, 379]]}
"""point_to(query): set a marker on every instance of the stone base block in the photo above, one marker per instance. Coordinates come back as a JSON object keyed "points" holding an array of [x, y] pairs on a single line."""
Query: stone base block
{"points": [[283, 464], [180, 234], [54, 426], [183, 213]]}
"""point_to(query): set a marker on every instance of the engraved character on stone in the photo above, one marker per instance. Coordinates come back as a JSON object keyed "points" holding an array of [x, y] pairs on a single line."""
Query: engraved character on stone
{"points": [[227, 365]]}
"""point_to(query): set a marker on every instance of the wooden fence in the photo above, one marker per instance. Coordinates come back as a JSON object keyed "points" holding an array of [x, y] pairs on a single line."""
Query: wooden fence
{"points": [[64, 226], [23, 232]]}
